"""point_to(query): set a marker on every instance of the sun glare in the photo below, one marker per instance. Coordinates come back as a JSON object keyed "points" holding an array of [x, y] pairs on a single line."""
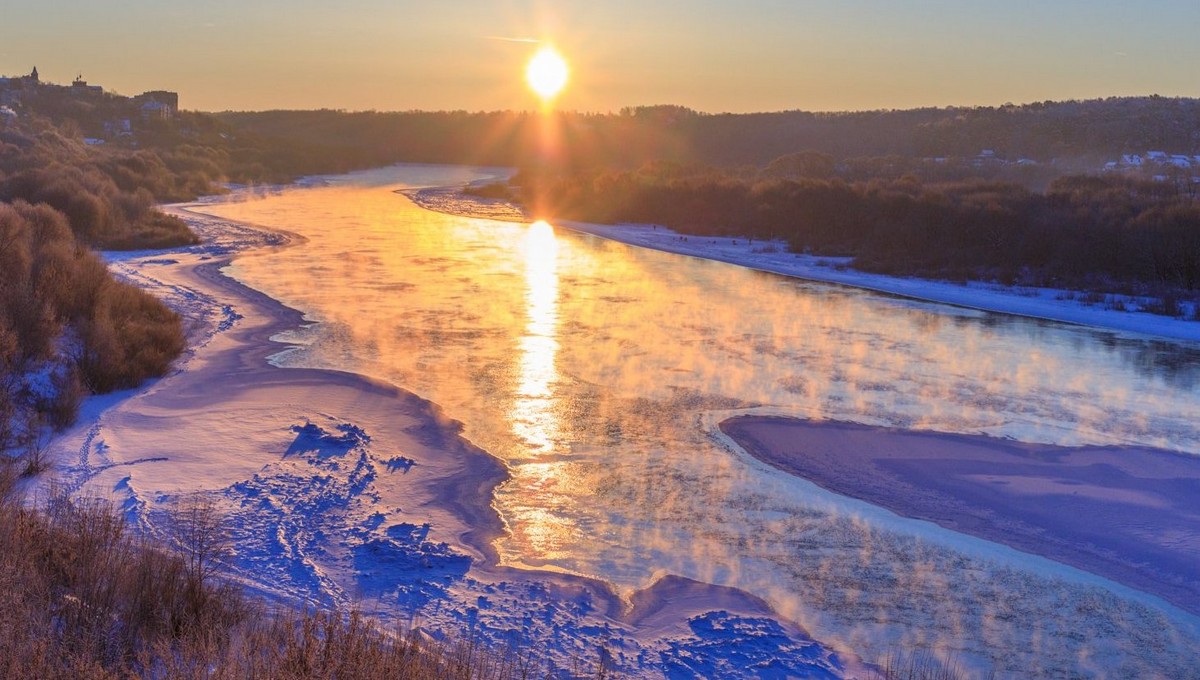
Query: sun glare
{"points": [[547, 73], [540, 242]]}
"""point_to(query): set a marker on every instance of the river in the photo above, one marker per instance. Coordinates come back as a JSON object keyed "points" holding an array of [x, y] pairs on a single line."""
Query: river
{"points": [[596, 372]]}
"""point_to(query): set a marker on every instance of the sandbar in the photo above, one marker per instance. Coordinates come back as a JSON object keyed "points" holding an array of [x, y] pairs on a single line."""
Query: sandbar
{"points": [[1129, 514]]}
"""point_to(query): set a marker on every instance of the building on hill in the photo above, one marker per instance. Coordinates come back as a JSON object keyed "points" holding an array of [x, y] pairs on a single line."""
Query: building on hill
{"points": [[153, 109], [80, 86], [158, 104], [120, 127], [14, 89], [1181, 160], [106, 116]]}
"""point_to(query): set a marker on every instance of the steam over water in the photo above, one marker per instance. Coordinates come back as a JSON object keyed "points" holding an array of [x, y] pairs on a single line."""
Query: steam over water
{"points": [[596, 372]]}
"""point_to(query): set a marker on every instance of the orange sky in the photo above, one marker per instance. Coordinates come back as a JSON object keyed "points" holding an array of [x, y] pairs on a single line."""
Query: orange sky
{"points": [[753, 55]]}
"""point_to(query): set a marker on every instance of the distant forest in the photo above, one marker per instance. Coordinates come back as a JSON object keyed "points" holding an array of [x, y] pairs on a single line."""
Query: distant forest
{"points": [[1075, 134], [1113, 234]]}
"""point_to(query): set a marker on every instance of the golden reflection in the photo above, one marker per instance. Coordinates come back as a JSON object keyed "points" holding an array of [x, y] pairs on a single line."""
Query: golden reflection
{"points": [[540, 524], [533, 414], [543, 524]]}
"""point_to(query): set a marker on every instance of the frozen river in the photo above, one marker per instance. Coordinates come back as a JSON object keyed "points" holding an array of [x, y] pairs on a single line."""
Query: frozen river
{"points": [[596, 372]]}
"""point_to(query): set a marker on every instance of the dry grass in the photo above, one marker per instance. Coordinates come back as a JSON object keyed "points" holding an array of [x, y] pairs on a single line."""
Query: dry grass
{"points": [[81, 597], [921, 666]]}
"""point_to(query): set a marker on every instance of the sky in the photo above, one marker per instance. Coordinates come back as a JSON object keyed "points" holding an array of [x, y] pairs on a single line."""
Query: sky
{"points": [[748, 55]]}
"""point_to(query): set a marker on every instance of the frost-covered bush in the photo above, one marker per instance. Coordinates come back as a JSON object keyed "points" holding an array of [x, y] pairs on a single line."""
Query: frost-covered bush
{"points": [[66, 326]]}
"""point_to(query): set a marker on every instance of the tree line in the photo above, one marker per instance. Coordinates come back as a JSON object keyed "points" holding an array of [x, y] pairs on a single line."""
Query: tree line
{"points": [[1085, 232], [1076, 134], [67, 327]]}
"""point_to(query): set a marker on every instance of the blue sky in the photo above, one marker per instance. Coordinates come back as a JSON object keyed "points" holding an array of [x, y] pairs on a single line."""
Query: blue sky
{"points": [[753, 55]]}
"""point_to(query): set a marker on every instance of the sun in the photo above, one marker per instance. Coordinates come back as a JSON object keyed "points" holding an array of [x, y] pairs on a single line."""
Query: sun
{"points": [[547, 73]]}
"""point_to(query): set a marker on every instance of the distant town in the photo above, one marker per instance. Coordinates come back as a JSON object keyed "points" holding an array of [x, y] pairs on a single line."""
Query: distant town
{"points": [[1160, 166], [114, 115]]}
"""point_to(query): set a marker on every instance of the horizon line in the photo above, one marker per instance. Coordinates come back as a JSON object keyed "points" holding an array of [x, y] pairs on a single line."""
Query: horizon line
{"points": [[611, 112]]}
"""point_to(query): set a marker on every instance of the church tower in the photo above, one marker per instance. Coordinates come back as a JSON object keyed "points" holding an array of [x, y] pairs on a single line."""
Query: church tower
{"points": [[34, 76]]}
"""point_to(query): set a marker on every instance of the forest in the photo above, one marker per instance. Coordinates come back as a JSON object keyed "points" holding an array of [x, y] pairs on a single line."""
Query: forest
{"points": [[1109, 233], [1071, 135], [67, 327]]}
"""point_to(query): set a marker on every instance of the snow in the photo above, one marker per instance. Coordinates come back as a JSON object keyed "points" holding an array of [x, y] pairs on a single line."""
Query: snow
{"points": [[1085, 506], [40, 382], [339, 490]]}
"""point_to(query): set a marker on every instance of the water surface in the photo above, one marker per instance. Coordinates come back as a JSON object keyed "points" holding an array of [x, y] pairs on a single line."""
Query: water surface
{"points": [[595, 371]]}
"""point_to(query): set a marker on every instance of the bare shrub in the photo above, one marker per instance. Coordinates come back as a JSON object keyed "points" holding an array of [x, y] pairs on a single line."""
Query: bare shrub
{"points": [[196, 528], [60, 305], [80, 597], [33, 458], [131, 337], [62, 410]]}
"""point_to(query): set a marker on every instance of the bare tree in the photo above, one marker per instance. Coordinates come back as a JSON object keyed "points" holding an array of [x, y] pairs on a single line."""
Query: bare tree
{"points": [[198, 534], [34, 457]]}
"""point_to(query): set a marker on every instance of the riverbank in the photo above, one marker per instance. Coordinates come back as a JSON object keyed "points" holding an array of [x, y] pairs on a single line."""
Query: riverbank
{"points": [[341, 491], [1110, 312], [226, 414], [1125, 513]]}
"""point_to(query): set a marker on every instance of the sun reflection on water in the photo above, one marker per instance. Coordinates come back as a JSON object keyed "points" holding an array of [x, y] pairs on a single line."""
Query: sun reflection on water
{"points": [[541, 526], [533, 413]]}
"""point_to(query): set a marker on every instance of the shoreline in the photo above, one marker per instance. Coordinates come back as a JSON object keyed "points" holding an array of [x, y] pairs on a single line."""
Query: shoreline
{"points": [[1122, 513], [1042, 304], [236, 358], [225, 420]]}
